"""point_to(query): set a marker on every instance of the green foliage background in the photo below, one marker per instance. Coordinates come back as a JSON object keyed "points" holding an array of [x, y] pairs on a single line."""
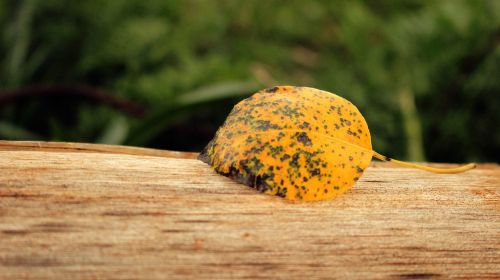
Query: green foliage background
{"points": [[425, 74]]}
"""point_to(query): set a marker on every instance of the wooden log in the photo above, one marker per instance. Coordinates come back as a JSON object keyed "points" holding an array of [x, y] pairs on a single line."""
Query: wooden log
{"points": [[92, 214]]}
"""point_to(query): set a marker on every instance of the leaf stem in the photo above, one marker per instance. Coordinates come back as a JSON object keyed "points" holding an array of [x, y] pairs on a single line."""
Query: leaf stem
{"points": [[452, 170]]}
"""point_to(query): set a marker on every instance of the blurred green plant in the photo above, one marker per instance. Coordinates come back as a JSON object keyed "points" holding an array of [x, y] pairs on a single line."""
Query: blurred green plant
{"points": [[424, 73]]}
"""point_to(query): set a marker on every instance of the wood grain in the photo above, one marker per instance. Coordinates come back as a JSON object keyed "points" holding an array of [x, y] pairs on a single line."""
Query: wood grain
{"points": [[69, 147], [98, 215]]}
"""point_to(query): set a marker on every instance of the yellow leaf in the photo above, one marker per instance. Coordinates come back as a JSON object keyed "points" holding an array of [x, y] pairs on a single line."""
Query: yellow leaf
{"points": [[295, 142]]}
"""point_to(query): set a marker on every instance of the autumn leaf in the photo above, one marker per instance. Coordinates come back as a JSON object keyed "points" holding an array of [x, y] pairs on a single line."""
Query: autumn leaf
{"points": [[296, 142]]}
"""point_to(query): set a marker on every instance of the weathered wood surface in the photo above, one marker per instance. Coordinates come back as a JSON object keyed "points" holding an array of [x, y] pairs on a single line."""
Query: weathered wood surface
{"points": [[86, 215], [89, 148]]}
